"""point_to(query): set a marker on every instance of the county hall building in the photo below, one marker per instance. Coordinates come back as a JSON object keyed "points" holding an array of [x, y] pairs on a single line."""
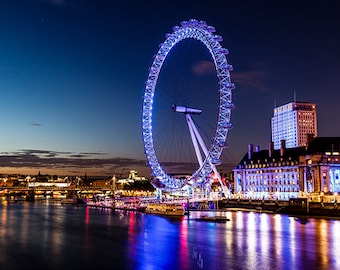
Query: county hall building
{"points": [[294, 166]]}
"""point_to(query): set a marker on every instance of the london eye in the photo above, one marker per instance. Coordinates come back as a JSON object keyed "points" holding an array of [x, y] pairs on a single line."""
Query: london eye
{"points": [[207, 151]]}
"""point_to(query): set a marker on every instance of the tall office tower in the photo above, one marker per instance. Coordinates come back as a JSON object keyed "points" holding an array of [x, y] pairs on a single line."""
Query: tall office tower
{"points": [[294, 122]]}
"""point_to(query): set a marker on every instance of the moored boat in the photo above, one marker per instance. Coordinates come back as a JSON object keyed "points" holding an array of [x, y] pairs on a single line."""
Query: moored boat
{"points": [[168, 209], [131, 206], [69, 201], [218, 219], [104, 203]]}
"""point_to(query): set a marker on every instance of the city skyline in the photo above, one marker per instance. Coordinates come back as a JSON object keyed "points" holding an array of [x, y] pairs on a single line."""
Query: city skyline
{"points": [[72, 76]]}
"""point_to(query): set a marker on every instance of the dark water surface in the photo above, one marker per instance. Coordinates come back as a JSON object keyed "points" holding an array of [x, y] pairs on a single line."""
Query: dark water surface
{"points": [[54, 236]]}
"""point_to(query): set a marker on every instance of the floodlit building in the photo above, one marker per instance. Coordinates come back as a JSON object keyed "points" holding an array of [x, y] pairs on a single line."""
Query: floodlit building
{"points": [[321, 166], [294, 122], [133, 176], [289, 172], [269, 174]]}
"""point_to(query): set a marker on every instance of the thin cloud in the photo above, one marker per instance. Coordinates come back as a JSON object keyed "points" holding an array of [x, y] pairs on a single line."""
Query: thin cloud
{"points": [[71, 163], [60, 2], [44, 159], [36, 124], [203, 68], [86, 154], [254, 79]]}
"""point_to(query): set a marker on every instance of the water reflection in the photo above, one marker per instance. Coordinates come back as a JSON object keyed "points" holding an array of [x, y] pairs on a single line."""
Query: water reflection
{"points": [[335, 244], [64, 237]]}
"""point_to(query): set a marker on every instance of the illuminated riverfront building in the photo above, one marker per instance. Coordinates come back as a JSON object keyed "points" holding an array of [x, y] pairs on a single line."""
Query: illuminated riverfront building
{"points": [[268, 174], [290, 172], [296, 162], [294, 122], [320, 165]]}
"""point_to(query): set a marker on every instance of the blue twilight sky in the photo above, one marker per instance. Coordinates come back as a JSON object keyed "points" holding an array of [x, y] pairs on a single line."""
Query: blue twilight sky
{"points": [[72, 75]]}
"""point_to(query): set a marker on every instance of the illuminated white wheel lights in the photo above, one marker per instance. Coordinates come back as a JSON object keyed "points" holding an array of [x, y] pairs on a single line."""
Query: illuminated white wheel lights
{"points": [[200, 31]]}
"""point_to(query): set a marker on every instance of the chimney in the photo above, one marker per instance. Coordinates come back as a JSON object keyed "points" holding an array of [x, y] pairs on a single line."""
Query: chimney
{"points": [[310, 138], [270, 149], [250, 151], [283, 147], [257, 148]]}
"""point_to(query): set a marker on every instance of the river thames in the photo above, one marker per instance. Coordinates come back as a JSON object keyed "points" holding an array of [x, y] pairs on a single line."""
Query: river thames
{"points": [[54, 236]]}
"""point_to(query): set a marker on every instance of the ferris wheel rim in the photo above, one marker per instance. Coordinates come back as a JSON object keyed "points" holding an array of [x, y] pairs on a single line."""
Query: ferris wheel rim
{"points": [[200, 31]]}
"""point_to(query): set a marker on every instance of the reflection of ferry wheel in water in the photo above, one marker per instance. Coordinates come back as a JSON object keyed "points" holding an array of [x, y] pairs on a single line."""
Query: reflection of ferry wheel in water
{"points": [[206, 157]]}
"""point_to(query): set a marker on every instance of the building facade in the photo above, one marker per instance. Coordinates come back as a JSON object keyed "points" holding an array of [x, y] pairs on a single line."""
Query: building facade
{"points": [[321, 166], [268, 174], [294, 122], [290, 172]]}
